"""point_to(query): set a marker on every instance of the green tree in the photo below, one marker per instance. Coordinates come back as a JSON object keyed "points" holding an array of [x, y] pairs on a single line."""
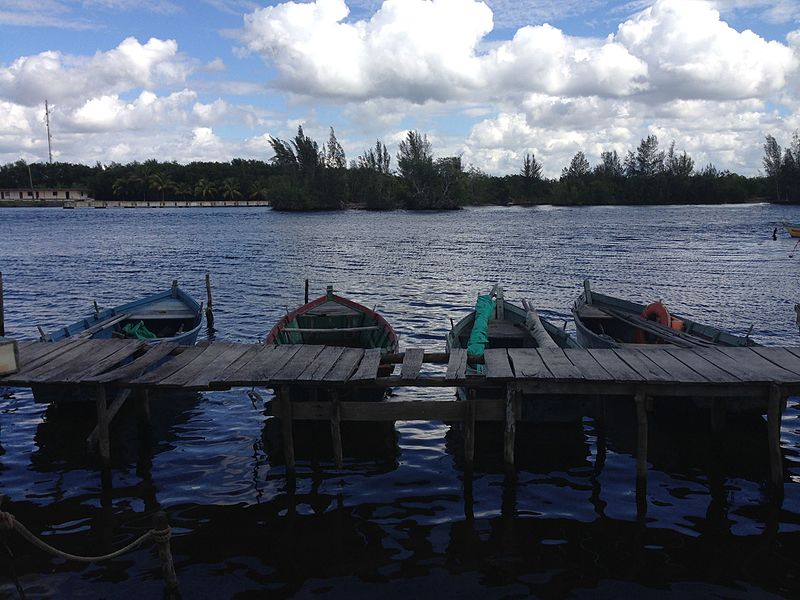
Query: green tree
{"points": [[334, 153], [204, 189], [161, 183], [531, 168], [230, 189], [578, 167], [416, 168]]}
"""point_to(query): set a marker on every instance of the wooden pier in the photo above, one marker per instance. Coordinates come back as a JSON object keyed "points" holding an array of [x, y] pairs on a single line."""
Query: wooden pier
{"points": [[753, 379]]}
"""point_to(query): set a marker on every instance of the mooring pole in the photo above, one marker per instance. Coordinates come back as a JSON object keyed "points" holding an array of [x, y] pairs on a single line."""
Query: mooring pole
{"points": [[469, 428], [306, 296], [510, 434], [2, 309], [641, 444], [163, 535], [209, 304]]}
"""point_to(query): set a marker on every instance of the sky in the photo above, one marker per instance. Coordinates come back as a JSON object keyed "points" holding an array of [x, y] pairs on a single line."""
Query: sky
{"points": [[490, 81]]}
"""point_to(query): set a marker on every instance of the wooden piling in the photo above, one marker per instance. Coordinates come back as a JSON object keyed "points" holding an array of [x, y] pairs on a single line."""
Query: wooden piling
{"points": [[2, 309], [718, 415], [336, 431], [103, 438], [143, 406], [161, 525], [774, 413], [306, 294], [510, 434], [209, 303], [469, 429], [641, 443], [286, 426]]}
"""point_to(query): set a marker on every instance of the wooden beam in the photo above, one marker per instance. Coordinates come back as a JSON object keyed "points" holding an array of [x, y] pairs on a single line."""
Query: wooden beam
{"points": [[774, 413], [469, 429], [103, 439], [641, 439], [112, 411], [286, 429], [510, 433], [336, 431], [412, 363]]}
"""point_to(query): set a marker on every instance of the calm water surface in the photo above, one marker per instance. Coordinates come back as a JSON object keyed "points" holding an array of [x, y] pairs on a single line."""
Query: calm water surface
{"points": [[401, 520]]}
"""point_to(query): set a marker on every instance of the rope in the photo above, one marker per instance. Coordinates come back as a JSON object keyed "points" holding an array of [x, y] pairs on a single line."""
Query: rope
{"points": [[7, 521]]}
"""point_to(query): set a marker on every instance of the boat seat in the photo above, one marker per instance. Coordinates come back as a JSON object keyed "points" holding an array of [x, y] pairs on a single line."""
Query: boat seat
{"points": [[587, 311]]}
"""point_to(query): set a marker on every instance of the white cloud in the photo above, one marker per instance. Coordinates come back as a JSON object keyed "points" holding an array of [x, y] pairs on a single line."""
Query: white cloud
{"points": [[61, 77], [109, 113], [409, 50]]}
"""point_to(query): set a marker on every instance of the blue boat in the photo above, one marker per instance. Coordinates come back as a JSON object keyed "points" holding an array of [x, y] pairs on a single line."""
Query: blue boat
{"points": [[169, 316]]}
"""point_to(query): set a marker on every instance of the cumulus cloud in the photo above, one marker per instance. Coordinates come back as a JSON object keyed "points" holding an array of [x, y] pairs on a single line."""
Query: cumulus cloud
{"points": [[29, 79], [409, 50]]}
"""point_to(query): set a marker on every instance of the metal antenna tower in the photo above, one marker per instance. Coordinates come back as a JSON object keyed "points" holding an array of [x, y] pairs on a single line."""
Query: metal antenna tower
{"points": [[49, 137]]}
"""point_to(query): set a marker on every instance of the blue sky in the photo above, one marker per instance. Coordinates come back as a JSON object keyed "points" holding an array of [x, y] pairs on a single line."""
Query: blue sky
{"points": [[490, 81]]}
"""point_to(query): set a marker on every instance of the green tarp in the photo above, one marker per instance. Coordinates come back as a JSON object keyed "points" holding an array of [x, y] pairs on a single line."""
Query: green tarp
{"points": [[138, 331], [484, 307]]}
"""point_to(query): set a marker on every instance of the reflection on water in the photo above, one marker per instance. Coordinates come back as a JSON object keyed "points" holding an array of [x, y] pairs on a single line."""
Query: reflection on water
{"points": [[403, 518]]}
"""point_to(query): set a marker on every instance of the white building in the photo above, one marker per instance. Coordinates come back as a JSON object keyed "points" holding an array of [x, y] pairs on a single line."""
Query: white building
{"points": [[41, 195]]}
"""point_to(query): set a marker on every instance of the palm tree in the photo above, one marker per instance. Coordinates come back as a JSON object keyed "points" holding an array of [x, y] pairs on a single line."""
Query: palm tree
{"points": [[142, 174], [258, 191], [161, 183], [204, 189], [230, 189], [122, 187], [183, 190]]}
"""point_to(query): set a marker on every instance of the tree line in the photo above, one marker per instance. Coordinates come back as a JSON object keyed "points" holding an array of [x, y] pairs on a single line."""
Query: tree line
{"points": [[304, 175]]}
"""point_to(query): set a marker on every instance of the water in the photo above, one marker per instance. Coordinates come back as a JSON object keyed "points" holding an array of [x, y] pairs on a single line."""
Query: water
{"points": [[401, 520]]}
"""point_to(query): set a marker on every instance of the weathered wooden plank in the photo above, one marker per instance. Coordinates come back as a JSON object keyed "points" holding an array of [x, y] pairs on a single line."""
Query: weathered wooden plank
{"points": [[41, 353], [68, 362], [171, 366], [758, 363], [457, 365], [412, 362], [222, 352], [558, 364], [587, 365], [700, 365], [218, 365], [346, 365], [614, 365], [276, 360], [677, 370], [298, 363], [528, 363], [497, 364], [251, 352], [781, 357], [323, 363], [77, 354], [636, 359], [368, 368], [252, 369], [76, 373], [726, 363], [153, 355]]}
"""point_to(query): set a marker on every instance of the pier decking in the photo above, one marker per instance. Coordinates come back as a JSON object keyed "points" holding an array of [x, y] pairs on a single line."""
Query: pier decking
{"points": [[753, 379]]}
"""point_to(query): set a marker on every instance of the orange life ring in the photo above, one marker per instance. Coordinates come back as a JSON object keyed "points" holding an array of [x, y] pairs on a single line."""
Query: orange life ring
{"points": [[653, 312]]}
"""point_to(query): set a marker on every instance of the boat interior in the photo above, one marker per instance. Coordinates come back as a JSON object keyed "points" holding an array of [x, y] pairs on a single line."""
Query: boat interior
{"points": [[502, 334], [335, 324]]}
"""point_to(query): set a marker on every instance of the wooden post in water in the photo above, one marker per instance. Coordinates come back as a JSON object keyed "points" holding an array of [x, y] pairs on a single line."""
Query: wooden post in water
{"points": [[161, 525], [306, 295], [286, 429], [469, 429], [641, 444], [2, 309], [774, 413], [209, 303], [336, 430], [510, 434], [103, 438], [718, 415]]}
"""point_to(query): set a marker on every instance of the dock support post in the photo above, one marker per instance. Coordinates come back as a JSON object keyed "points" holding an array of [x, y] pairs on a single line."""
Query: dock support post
{"points": [[469, 429], [103, 439], [336, 430], [286, 429], [510, 433], [161, 525], [143, 406], [2, 309], [718, 415], [641, 441], [209, 304], [774, 413]]}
